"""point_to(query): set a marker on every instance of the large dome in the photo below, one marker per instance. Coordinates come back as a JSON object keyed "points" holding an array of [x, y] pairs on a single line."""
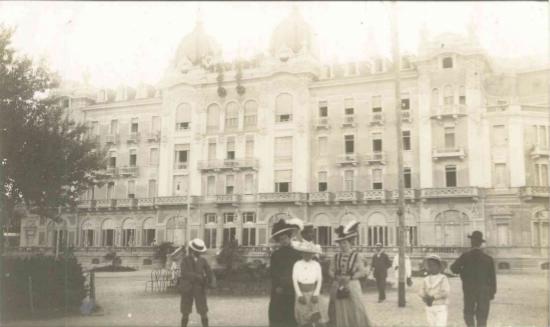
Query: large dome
{"points": [[293, 33], [196, 46]]}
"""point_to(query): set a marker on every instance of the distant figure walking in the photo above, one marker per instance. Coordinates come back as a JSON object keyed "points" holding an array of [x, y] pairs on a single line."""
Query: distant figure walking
{"points": [[380, 264], [479, 283]]}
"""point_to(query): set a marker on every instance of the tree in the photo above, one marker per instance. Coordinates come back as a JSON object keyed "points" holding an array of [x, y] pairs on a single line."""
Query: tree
{"points": [[46, 161]]}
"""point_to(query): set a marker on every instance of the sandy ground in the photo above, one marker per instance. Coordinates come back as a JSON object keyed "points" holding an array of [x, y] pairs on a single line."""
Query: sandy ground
{"points": [[522, 300]]}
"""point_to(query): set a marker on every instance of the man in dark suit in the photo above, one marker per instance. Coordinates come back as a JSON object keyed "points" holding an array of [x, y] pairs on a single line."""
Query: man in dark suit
{"points": [[479, 283], [380, 264], [196, 275]]}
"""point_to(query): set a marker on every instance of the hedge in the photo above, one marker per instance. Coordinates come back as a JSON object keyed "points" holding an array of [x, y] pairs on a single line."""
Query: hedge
{"points": [[58, 285]]}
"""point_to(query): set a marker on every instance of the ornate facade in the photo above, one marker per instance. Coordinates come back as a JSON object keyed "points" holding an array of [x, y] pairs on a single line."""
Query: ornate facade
{"points": [[222, 150]]}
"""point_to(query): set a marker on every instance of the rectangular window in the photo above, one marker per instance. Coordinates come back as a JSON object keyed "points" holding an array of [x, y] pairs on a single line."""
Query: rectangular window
{"points": [[349, 106], [249, 147], [133, 158], [110, 190], [229, 235], [283, 148], [349, 144], [283, 180], [228, 217], [377, 104], [183, 117], [447, 62], [323, 185], [377, 142], [152, 188], [211, 185], [108, 237], [377, 179], [210, 238], [249, 217], [541, 172], [405, 101], [114, 127], [230, 148], [134, 125], [181, 156], [112, 159], [323, 143], [407, 177], [248, 184], [248, 236], [154, 156], [461, 95], [348, 180], [450, 176], [323, 109], [229, 184], [406, 140], [131, 189], [212, 150], [210, 218], [449, 137]]}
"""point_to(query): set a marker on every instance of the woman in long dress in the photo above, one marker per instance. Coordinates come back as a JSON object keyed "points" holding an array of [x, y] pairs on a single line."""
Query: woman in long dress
{"points": [[346, 308]]}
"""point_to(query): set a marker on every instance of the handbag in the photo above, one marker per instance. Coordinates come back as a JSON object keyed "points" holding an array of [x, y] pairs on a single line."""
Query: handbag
{"points": [[342, 292]]}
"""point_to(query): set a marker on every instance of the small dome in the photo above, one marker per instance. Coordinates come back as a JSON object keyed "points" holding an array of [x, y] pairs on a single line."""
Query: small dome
{"points": [[195, 47], [294, 34]]}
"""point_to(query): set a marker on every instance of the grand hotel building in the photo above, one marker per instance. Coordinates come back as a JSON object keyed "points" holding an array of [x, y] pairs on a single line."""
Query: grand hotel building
{"points": [[222, 150]]}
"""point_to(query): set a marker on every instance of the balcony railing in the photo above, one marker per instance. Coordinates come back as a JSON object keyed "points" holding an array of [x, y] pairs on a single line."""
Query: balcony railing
{"points": [[322, 123], [377, 118], [181, 165], [347, 196], [409, 194], [110, 171], [448, 111], [535, 191], [349, 121], [250, 163], [129, 171], [319, 197], [111, 138], [406, 116], [539, 151], [86, 204], [174, 200], [105, 203], [133, 137], [153, 137], [126, 203], [449, 192], [374, 195], [441, 153], [146, 202], [348, 159], [282, 197], [376, 158], [227, 198]]}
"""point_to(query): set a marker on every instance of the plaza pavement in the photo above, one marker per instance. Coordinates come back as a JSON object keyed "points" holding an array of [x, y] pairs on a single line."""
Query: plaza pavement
{"points": [[522, 300]]}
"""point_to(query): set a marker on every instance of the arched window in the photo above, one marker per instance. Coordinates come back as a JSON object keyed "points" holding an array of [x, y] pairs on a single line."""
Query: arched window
{"points": [[213, 118], [435, 97], [108, 233], [250, 114], [448, 95], [129, 232], [231, 116], [87, 234], [283, 108], [183, 117], [57, 234], [170, 229], [451, 228], [323, 230], [377, 231], [148, 232], [539, 229]]}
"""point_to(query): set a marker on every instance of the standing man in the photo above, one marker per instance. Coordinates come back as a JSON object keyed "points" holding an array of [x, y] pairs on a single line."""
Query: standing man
{"points": [[479, 283], [380, 264], [281, 304], [408, 269], [196, 275]]}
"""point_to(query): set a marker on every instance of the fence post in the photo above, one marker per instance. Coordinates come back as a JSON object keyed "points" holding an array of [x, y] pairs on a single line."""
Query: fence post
{"points": [[31, 300], [92, 285]]}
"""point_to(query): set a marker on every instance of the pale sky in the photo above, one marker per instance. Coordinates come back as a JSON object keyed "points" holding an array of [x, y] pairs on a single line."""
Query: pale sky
{"points": [[132, 42]]}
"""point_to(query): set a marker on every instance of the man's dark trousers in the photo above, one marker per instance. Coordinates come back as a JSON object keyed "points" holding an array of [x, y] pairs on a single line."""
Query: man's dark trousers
{"points": [[381, 286], [476, 307]]}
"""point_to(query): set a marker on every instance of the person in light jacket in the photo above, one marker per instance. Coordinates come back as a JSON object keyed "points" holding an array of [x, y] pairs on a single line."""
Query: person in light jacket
{"points": [[408, 269], [435, 292]]}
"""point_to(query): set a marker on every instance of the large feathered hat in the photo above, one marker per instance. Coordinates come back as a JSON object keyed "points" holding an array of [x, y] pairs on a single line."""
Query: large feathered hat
{"points": [[283, 226], [305, 246], [349, 231]]}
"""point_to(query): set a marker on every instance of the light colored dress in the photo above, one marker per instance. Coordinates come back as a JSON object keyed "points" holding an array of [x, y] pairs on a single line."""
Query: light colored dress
{"points": [[350, 311], [307, 278]]}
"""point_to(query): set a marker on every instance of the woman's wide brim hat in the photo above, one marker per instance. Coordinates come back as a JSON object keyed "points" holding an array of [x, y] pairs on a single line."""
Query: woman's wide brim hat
{"points": [[306, 247], [436, 258], [197, 245], [282, 226], [349, 231]]}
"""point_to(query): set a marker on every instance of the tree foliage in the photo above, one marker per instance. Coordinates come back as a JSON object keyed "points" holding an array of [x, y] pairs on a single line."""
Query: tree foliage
{"points": [[46, 160]]}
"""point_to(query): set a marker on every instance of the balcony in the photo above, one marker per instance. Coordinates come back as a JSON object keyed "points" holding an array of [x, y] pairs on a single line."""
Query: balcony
{"points": [[349, 121], [348, 159], [133, 138], [153, 137], [322, 123], [129, 171], [227, 199], [444, 153], [377, 119], [174, 200], [181, 165], [374, 195], [110, 172], [530, 192], [281, 197], [105, 204], [86, 204], [376, 158], [449, 192], [347, 196], [233, 164], [146, 202], [406, 116], [539, 151], [126, 203], [111, 139], [448, 111], [319, 197], [409, 194]]}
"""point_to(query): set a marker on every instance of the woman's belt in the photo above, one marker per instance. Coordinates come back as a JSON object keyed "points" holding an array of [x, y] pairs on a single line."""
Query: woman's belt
{"points": [[310, 287]]}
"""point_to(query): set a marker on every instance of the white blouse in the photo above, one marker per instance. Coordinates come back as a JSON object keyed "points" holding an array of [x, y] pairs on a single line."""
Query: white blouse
{"points": [[307, 272]]}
